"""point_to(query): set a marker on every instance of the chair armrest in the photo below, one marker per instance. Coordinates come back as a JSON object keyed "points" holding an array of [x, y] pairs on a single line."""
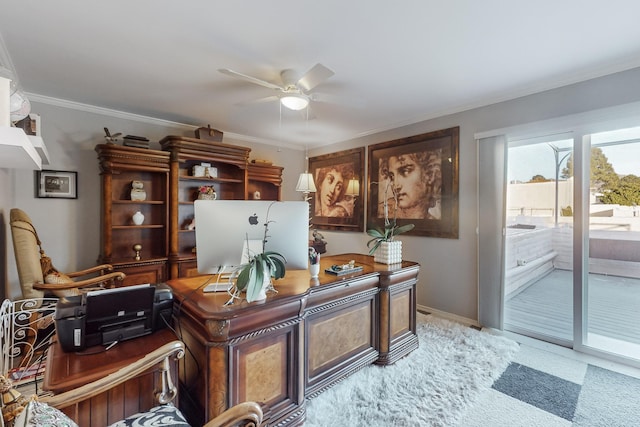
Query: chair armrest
{"points": [[118, 275], [80, 283], [248, 412], [102, 269], [160, 355]]}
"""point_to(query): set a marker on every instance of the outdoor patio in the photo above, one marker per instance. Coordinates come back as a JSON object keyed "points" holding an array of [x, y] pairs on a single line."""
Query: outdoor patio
{"points": [[545, 307]]}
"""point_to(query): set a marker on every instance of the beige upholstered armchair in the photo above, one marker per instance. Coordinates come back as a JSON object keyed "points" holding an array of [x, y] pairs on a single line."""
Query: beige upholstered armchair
{"points": [[36, 272]]}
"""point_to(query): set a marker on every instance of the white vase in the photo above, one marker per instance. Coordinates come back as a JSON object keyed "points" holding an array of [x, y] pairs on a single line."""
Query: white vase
{"points": [[266, 283], [314, 269], [138, 218], [389, 252], [137, 191]]}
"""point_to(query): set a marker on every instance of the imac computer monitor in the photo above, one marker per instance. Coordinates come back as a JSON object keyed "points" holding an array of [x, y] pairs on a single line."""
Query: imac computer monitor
{"points": [[224, 227]]}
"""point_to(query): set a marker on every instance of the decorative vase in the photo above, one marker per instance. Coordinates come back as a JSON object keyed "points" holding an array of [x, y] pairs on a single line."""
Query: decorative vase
{"points": [[211, 172], [203, 196], [389, 252], [137, 191], [266, 283], [138, 218], [207, 193], [198, 170], [314, 269]]}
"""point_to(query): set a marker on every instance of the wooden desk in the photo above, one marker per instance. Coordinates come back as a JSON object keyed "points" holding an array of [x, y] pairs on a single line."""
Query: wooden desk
{"points": [[296, 343], [67, 371]]}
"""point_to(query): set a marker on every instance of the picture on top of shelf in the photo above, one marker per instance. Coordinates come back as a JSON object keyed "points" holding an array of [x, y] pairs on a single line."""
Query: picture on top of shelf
{"points": [[337, 203], [57, 184]]}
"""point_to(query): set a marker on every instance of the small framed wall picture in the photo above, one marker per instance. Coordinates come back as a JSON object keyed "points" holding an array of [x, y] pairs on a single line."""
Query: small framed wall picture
{"points": [[57, 184]]}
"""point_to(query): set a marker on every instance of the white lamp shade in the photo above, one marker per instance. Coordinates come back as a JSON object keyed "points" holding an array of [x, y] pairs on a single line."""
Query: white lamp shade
{"points": [[353, 187], [306, 184], [295, 101]]}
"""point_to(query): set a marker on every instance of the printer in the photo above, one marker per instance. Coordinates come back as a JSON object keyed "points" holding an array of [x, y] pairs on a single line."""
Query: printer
{"points": [[108, 315]]}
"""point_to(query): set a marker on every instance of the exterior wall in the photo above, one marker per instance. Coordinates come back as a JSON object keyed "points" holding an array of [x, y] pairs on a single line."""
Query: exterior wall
{"points": [[529, 255], [522, 197], [563, 245]]}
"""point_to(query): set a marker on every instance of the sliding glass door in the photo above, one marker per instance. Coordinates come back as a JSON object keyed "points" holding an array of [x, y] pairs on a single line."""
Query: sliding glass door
{"points": [[538, 270], [612, 303], [572, 241]]}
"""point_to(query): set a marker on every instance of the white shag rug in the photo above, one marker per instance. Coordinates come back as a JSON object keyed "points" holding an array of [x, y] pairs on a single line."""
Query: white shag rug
{"points": [[432, 386]]}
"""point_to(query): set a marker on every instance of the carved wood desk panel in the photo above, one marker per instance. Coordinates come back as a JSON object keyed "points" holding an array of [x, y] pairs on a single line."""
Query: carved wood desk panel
{"points": [[296, 343]]}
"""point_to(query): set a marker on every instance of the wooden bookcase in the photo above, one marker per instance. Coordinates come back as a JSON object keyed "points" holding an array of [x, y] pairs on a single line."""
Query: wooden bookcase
{"points": [[265, 179], [119, 167], [231, 183], [171, 188]]}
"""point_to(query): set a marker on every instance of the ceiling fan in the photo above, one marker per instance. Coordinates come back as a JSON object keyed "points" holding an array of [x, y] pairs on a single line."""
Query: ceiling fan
{"points": [[293, 93]]}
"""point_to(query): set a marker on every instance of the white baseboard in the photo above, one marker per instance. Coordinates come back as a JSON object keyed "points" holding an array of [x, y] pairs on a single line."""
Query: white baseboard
{"points": [[449, 316]]}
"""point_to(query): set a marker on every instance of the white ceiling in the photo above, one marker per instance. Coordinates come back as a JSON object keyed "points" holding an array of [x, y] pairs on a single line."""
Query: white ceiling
{"points": [[395, 63]]}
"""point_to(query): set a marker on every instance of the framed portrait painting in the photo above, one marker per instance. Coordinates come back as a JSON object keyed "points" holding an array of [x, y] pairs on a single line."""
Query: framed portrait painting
{"points": [[418, 178], [57, 184], [337, 203]]}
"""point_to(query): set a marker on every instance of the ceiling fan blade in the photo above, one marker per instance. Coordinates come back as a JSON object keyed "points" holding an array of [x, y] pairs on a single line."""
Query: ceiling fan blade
{"points": [[326, 97], [249, 78], [316, 75], [259, 100]]}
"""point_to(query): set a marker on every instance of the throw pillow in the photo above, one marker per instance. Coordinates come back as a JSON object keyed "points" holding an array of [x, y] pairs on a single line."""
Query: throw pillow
{"points": [[163, 415], [38, 414]]}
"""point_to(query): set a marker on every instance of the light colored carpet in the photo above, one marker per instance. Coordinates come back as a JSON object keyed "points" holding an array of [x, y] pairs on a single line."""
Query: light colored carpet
{"points": [[551, 386], [608, 399], [432, 386]]}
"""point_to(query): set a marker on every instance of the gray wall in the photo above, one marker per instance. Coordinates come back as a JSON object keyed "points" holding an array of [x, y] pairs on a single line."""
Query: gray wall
{"points": [[448, 277], [69, 229]]}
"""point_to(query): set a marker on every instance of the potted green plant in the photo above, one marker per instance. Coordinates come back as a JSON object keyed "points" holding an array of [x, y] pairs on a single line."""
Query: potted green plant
{"points": [[390, 250], [254, 277]]}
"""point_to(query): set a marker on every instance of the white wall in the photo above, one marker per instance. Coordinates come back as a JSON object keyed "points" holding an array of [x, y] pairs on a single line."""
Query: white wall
{"points": [[449, 267]]}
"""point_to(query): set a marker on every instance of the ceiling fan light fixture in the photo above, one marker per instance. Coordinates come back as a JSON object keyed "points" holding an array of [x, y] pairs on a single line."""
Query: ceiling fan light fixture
{"points": [[295, 101]]}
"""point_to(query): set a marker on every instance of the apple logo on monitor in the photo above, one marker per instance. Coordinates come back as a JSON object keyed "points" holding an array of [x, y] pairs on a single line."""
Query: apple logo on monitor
{"points": [[253, 219]]}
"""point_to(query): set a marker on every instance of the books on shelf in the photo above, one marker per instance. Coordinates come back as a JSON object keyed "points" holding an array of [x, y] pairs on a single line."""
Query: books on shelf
{"points": [[135, 141]]}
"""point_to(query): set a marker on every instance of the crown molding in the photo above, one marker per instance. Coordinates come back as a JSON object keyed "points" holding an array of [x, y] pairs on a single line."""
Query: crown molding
{"points": [[87, 108], [34, 97]]}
